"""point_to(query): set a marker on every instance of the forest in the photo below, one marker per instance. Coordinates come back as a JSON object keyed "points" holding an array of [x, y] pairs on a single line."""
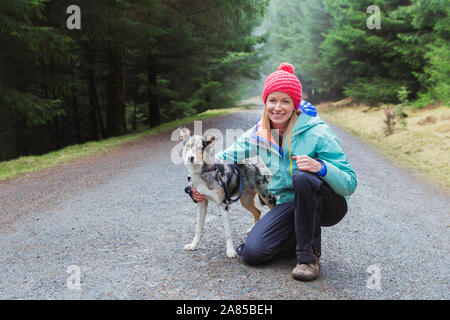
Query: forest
{"points": [[338, 55], [139, 63]]}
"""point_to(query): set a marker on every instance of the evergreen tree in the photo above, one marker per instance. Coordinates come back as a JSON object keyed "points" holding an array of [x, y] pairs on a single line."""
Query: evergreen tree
{"points": [[176, 58], [336, 54]]}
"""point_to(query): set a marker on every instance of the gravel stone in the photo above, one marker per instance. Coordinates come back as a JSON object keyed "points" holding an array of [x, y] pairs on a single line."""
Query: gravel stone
{"points": [[123, 218]]}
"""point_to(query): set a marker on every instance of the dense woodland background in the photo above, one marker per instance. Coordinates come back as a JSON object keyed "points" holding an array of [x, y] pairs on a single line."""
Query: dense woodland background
{"points": [[337, 55], [138, 63]]}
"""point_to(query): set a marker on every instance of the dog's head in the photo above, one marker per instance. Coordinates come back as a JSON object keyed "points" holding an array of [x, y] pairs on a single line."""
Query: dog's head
{"points": [[195, 147]]}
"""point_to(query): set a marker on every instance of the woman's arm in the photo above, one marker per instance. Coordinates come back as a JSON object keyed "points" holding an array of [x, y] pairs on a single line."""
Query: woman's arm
{"points": [[339, 175], [240, 149]]}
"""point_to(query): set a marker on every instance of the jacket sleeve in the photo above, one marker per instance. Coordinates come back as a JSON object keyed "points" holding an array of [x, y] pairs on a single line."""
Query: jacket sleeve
{"points": [[240, 149], [340, 175]]}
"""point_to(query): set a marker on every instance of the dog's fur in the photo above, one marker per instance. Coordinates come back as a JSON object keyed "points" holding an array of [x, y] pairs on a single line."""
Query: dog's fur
{"points": [[196, 157]]}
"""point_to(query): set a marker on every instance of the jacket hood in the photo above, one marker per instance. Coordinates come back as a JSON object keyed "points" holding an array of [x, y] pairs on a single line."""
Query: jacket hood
{"points": [[305, 122]]}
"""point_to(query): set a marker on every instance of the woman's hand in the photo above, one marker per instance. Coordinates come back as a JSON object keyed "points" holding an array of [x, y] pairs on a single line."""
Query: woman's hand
{"points": [[306, 163], [197, 196]]}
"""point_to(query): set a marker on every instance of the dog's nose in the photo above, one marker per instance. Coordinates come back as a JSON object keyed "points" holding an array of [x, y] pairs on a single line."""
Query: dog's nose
{"points": [[192, 159]]}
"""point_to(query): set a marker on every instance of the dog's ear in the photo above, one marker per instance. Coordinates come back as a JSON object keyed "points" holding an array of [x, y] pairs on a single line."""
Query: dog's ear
{"points": [[184, 133], [210, 140]]}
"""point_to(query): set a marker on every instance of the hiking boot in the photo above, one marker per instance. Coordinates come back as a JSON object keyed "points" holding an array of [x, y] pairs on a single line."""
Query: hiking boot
{"points": [[306, 272]]}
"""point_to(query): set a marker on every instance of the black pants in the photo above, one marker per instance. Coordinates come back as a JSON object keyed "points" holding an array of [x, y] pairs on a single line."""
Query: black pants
{"points": [[296, 223]]}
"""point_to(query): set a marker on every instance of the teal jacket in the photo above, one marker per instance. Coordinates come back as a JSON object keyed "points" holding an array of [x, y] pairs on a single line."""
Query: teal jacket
{"points": [[311, 137]]}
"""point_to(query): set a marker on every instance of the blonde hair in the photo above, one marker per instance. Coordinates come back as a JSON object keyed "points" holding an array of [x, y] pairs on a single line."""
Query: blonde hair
{"points": [[287, 135]]}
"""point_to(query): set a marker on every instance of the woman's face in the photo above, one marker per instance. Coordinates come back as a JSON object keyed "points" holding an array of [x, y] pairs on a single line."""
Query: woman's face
{"points": [[279, 108]]}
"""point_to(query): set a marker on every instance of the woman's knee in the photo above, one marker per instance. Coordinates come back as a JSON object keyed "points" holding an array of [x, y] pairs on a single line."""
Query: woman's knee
{"points": [[304, 179], [253, 254]]}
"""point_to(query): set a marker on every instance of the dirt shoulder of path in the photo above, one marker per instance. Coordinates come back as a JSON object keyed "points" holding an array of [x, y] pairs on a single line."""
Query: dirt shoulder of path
{"points": [[423, 144]]}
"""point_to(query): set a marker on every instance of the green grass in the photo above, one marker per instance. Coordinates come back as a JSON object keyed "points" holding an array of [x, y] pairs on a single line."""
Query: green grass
{"points": [[14, 168]]}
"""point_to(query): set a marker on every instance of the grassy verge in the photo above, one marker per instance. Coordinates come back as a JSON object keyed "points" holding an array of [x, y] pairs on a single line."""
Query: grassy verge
{"points": [[423, 144], [16, 167]]}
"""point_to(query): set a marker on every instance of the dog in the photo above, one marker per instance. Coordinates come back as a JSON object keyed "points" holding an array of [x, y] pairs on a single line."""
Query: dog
{"points": [[218, 182]]}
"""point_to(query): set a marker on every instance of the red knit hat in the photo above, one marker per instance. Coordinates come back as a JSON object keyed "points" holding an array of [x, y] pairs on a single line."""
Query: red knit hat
{"points": [[284, 80]]}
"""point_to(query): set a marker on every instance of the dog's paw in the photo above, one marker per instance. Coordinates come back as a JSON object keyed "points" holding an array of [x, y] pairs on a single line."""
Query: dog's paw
{"points": [[231, 253], [190, 247]]}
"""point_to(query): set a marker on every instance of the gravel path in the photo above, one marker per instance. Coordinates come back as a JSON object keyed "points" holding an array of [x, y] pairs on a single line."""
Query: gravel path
{"points": [[123, 219]]}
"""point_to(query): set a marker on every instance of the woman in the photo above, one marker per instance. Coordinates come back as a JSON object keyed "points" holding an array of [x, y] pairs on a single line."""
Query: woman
{"points": [[311, 176]]}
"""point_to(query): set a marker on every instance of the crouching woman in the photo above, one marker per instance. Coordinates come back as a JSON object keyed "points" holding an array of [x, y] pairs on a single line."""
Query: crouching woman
{"points": [[312, 178]]}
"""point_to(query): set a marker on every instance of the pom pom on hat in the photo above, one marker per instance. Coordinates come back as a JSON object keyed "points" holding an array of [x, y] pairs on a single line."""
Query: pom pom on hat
{"points": [[287, 67], [284, 80]]}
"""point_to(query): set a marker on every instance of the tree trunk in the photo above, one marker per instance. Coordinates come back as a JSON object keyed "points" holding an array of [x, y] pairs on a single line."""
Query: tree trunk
{"points": [[100, 121], [154, 117], [123, 93], [116, 109], [136, 86], [93, 98], [74, 101], [54, 127], [77, 118], [208, 102]]}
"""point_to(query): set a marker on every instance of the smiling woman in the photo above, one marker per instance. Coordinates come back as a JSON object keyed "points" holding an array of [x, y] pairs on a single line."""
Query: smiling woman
{"points": [[279, 109], [311, 177], [282, 93]]}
